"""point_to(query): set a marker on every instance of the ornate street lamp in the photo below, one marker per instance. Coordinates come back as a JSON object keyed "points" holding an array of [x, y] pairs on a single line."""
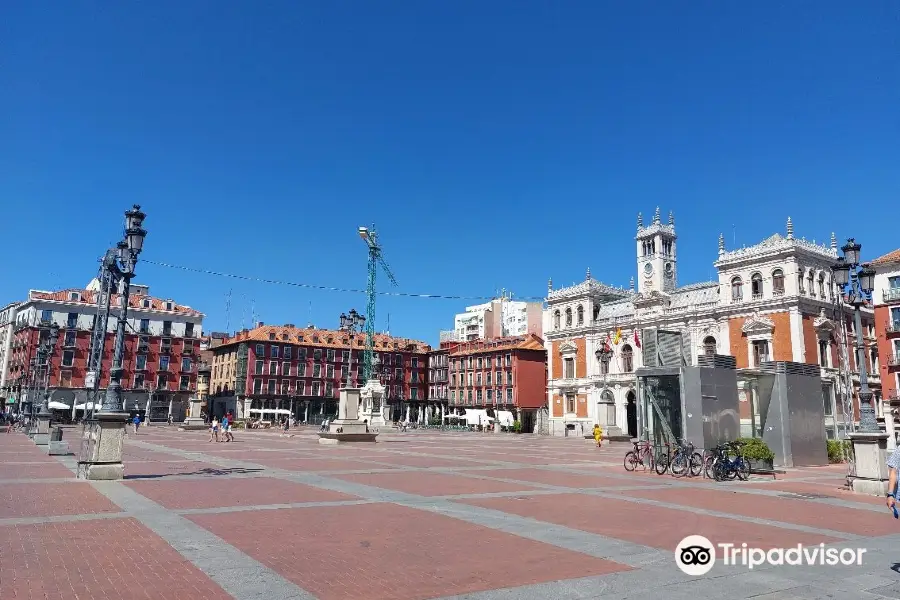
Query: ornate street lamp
{"points": [[49, 350], [352, 323], [123, 267], [856, 282]]}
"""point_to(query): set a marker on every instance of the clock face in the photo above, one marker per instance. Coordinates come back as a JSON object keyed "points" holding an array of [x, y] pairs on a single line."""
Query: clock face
{"points": [[648, 269]]}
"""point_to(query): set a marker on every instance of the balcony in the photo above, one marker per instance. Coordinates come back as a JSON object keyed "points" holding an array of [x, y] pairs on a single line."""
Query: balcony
{"points": [[891, 294], [894, 360], [165, 349], [892, 327]]}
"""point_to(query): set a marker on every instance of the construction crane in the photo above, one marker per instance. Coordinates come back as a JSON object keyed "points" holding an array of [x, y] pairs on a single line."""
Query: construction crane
{"points": [[370, 237]]}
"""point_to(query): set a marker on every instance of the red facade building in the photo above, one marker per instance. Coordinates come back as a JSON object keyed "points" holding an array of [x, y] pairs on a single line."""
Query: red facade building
{"points": [[886, 298], [500, 374], [160, 355]]}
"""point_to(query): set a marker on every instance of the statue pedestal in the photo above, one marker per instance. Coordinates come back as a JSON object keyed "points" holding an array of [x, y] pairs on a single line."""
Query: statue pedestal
{"points": [[348, 427], [372, 395], [870, 455], [101, 447], [194, 419], [42, 432], [606, 417]]}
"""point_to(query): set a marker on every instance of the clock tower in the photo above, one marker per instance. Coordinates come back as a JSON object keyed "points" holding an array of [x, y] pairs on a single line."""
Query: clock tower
{"points": [[656, 259]]}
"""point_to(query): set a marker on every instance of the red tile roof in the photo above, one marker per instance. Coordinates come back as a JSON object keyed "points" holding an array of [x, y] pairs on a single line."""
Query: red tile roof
{"points": [[521, 342], [324, 338], [887, 259], [134, 301]]}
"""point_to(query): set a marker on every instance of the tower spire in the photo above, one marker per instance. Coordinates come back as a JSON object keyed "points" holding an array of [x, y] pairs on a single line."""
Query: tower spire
{"points": [[721, 243], [656, 216], [790, 229], [640, 221], [671, 218], [588, 276], [631, 284], [833, 241], [549, 286]]}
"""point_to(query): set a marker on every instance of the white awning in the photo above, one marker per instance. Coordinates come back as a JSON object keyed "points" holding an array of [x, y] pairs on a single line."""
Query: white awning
{"points": [[58, 405]]}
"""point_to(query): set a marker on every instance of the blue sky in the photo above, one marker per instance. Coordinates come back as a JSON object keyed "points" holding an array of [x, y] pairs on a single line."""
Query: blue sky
{"points": [[495, 144]]}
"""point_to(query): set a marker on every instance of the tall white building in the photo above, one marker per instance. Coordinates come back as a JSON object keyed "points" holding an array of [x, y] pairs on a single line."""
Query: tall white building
{"points": [[501, 317]]}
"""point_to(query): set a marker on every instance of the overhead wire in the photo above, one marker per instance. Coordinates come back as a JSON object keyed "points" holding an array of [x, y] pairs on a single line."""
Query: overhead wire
{"points": [[326, 288]]}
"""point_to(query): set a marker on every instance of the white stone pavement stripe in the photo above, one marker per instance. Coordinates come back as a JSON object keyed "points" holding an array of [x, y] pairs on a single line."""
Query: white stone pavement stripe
{"points": [[13, 521], [235, 572], [35, 480]]}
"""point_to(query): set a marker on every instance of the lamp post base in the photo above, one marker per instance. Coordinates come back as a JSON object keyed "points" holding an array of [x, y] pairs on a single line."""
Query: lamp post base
{"points": [[42, 432], [101, 447], [870, 456]]}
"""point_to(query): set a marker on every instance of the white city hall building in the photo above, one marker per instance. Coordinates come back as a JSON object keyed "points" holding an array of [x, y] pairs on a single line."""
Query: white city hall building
{"points": [[773, 301]]}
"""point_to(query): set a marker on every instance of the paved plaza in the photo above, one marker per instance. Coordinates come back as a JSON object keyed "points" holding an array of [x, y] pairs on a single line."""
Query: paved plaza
{"points": [[418, 515]]}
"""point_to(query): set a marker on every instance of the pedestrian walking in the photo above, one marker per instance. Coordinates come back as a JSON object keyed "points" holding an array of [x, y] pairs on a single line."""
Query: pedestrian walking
{"points": [[598, 434], [214, 429], [136, 421]]}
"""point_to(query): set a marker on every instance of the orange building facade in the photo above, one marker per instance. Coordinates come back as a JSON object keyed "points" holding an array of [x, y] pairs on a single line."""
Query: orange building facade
{"points": [[773, 301], [886, 298]]}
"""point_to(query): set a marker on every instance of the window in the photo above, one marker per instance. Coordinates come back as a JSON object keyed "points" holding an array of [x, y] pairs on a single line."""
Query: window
{"points": [[301, 369], [509, 360], [737, 289], [46, 316], [68, 358], [580, 315], [709, 346], [143, 344], [568, 369], [490, 395], [509, 394], [329, 355], [140, 362], [756, 286], [70, 337], [570, 403], [316, 388], [287, 353], [273, 368], [164, 363], [317, 354], [627, 359], [478, 395], [479, 362], [556, 319], [824, 353], [270, 386], [285, 387], [317, 370], [760, 352], [185, 383], [72, 321], [329, 372], [488, 377], [259, 367], [301, 353], [398, 360], [185, 365], [800, 282], [167, 328], [188, 347], [828, 399], [138, 381], [345, 356], [477, 378], [275, 351], [188, 330], [498, 361], [162, 381], [329, 389], [822, 286], [778, 282], [301, 388], [345, 372], [272, 335], [509, 378], [604, 367], [257, 386], [414, 362], [568, 317], [146, 303], [894, 325], [165, 344], [286, 369], [260, 350]]}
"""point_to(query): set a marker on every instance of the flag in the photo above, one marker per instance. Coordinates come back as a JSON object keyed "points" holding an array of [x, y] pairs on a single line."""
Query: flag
{"points": [[608, 341], [618, 337], [637, 339]]}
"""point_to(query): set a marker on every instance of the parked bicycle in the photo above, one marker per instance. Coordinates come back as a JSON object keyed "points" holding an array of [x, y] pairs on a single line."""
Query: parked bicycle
{"points": [[724, 467], [642, 455], [680, 459]]}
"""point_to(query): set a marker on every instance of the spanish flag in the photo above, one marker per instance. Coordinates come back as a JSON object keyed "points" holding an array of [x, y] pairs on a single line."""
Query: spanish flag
{"points": [[637, 339], [618, 337]]}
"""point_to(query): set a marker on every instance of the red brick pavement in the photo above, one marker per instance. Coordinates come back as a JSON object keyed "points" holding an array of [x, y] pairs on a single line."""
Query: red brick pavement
{"points": [[829, 489], [51, 499], [388, 552], [573, 480], [213, 492], [35, 470], [644, 524], [786, 510], [315, 464], [421, 461], [111, 559], [425, 483], [149, 468]]}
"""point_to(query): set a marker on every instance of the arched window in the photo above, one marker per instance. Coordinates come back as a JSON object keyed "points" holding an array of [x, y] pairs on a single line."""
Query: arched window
{"points": [[756, 286], [737, 289], [556, 319], [580, 315], [821, 285], [709, 346], [568, 317], [627, 359], [777, 282], [596, 312], [607, 396]]}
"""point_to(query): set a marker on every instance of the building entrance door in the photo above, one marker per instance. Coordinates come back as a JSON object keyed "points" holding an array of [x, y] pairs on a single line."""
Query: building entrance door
{"points": [[631, 414]]}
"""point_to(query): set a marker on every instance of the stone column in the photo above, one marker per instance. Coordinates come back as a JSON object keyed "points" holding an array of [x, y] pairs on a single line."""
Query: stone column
{"points": [[105, 436], [870, 452], [407, 411]]}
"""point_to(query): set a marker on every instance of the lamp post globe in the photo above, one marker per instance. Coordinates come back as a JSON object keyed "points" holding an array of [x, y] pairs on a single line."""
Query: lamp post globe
{"points": [[866, 278], [851, 251], [841, 272]]}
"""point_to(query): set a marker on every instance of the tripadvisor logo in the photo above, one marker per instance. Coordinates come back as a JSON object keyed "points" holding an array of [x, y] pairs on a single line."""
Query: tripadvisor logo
{"points": [[695, 555]]}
